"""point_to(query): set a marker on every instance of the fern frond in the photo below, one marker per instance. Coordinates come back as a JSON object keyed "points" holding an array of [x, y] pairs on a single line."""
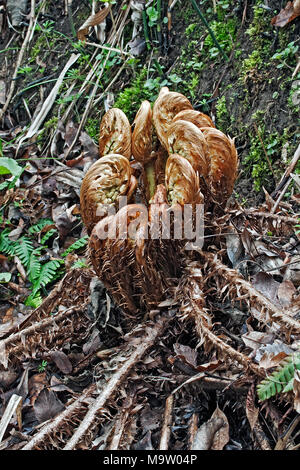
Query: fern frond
{"points": [[34, 300], [36, 228], [281, 380], [23, 249], [76, 246], [34, 266], [48, 235], [7, 246], [48, 273]]}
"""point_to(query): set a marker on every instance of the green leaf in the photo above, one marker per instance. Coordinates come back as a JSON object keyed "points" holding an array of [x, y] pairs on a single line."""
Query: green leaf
{"points": [[34, 266], [40, 225], [5, 277], [9, 166], [34, 300], [48, 235], [280, 380]]}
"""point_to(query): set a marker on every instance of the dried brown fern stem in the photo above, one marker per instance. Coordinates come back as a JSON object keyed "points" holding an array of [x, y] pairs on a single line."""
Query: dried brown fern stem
{"points": [[47, 436], [41, 336], [134, 353], [238, 287], [193, 307]]}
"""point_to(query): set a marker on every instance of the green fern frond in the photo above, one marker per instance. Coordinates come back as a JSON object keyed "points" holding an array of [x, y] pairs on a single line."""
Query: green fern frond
{"points": [[80, 264], [23, 249], [76, 246], [48, 235], [48, 273], [7, 246], [34, 300], [36, 228], [280, 381], [34, 266]]}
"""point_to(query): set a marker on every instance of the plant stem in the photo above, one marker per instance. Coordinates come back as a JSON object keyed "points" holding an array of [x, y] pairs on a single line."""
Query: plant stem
{"points": [[159, 34], [146, 33], [150, 179], [209, 29]]}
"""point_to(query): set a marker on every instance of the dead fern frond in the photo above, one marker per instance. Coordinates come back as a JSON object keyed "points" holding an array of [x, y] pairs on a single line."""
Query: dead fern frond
{"points": [[107, 389], [237, 287], [194, 307]]}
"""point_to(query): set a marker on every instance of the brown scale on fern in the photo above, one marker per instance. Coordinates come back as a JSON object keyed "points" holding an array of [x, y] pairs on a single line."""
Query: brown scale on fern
{"points": [[165, 108], [185, 139]]}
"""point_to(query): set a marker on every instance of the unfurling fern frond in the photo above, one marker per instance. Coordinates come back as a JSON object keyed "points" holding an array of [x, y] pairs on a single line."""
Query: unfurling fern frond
{"points": [[76, 245], [280, 381]]}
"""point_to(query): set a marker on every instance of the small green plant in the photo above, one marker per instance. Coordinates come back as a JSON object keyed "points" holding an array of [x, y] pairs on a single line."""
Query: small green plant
{"points": [[9, 166], [47, 27], [253, 62], [129, 98], [286, 54], [222, 114], [152, 14], [203, 104], [25, 70], [42, 366], [39, 273], [225, 33], [280, 381]]}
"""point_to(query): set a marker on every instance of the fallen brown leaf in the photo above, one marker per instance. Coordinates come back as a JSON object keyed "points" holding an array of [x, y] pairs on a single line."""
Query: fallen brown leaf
{"points": [[47, 405], [213, 434], [61, 361], [92, 20], [221, 436], [287, 14]]}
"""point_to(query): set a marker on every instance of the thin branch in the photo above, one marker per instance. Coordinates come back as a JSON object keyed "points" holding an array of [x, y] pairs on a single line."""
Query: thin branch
{"points": [[166, 429], [19, 59]]}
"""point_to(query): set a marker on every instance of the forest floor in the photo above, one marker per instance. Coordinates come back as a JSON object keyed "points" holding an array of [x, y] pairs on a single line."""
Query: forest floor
{"points": [[74, 373]]}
